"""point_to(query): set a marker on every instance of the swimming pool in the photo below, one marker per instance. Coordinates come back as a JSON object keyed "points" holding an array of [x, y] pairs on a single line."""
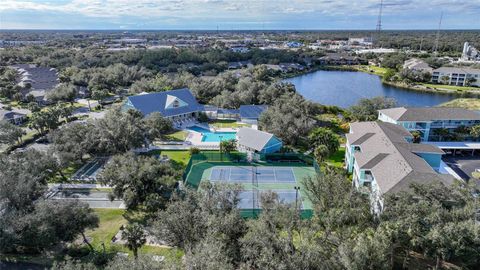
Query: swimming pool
{"points": [[208, 136]]}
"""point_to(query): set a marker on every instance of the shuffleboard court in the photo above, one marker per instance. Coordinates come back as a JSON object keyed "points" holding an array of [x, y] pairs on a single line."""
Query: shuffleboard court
{"points": [[250, 200], [247, 174], [95, 199]]}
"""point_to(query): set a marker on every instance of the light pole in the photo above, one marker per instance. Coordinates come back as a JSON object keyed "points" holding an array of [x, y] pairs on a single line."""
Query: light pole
{"points": [[221, 152], [297, 189]]}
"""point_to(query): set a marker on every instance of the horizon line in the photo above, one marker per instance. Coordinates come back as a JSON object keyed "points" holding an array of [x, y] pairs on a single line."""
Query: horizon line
{"points": [[229, 30]]}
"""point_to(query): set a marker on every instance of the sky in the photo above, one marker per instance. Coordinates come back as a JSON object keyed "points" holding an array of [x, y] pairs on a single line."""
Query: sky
{"points": [[237, 14]]}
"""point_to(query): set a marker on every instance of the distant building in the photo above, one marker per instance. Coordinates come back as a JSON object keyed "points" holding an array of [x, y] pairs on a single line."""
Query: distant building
{"points": [[240, 49], [239, 64], [456, 76], [416, 64], [341, 59], [12, 117], [363, 41], [294, 44], [251, 113], [427, 120], [254, 141], [36, 81], [290, 67], [470, 53], [383, 160], [177, 105]]}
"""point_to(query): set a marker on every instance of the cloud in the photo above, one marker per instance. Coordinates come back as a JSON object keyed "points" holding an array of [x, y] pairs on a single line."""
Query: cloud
{"points": [[281, 11]]}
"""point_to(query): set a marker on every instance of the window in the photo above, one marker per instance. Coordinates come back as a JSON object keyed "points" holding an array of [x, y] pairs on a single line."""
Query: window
{"points": [[176, 104]]}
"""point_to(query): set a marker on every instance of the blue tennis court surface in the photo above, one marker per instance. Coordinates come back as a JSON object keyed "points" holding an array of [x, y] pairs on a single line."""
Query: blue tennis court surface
{"points": [[250, 200], [251, 174]]}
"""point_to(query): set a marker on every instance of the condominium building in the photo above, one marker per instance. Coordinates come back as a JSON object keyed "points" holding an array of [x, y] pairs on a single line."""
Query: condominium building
{"points": [[456, 76], [383, 160], [432, 123]]}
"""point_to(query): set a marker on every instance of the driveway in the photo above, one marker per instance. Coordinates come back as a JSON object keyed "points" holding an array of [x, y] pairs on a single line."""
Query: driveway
{"points": [[463, 166]]}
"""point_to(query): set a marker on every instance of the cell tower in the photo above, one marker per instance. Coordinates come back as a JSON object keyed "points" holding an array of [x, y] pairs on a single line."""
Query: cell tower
{"points": [[379, 22], [437, 39]]}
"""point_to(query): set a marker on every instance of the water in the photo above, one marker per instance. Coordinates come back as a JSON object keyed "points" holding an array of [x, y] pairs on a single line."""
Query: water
{"points": [[346, 88], [209, 136]]}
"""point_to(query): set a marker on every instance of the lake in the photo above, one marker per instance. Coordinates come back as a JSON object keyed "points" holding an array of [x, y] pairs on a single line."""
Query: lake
{"points": [[345, 88]]}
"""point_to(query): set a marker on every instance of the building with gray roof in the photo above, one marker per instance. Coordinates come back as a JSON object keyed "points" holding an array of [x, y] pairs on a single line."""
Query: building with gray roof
{"points": [[174, 104], [256, 141], [429, 121], [35, 80], [384, 160], [251, 113]]}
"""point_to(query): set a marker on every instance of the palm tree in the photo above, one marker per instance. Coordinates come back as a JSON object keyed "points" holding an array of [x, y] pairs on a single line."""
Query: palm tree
{"points": [[441, 132], [417, 136], [134, 236]]}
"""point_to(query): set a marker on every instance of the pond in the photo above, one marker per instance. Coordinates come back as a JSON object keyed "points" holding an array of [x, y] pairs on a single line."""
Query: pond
{"points": [[346, 88]]}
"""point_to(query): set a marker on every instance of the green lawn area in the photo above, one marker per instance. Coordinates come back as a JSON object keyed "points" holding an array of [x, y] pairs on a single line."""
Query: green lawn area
{"points": [[466, 103], [179, 156], [450, 87], [336, 159], [110, 222], [372, 69], [180, 135], [227, 124]]}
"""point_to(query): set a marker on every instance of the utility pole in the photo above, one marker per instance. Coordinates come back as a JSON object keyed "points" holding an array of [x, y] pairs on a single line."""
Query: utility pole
{"points": [[435, 51]]}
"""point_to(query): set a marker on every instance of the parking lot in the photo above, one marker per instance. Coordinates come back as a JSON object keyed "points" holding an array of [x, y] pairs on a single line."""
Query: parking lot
{"points": [[464, 166]]}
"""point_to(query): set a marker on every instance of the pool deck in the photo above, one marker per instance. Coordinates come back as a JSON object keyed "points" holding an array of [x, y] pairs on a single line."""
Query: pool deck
{"points": [[195, 137]]}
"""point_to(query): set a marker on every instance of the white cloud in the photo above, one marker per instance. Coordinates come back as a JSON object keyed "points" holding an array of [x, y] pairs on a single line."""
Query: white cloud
{"points": [[247, 10]]}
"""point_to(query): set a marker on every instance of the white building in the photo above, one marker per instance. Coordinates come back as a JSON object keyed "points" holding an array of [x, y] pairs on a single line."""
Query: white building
{"points": [[456, 76], [470, 53]]}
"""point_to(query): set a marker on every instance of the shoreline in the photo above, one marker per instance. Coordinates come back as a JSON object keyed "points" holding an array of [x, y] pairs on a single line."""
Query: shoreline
{"points": [[416, 87]]}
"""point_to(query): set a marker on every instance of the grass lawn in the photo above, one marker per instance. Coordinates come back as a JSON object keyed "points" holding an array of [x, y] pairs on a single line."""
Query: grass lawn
{"points": [[180, 135], [466, 103], [227, 124], [372, 69], [450, 87], [110, 222], [67, 172], [179, 156], [337, 158]]}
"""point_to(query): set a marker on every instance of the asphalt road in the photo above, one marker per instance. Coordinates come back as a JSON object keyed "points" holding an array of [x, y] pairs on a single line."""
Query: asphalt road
{"points": [[464, 166]]}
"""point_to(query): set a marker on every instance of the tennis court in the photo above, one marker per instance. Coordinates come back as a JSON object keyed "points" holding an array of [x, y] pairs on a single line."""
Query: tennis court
{"points": [[249, 174], [250, 199], [89, 171]]}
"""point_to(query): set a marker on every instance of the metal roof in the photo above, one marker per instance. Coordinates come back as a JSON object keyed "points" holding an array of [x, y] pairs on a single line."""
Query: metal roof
{"points": [[252, 111], [156, 102]]}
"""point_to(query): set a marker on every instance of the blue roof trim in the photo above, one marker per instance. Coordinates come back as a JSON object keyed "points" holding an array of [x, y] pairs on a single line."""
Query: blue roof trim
{"points": [[252, 111], [155, 102]]}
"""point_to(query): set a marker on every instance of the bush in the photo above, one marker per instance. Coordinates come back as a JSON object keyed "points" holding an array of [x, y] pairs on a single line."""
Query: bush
{"points": [[194, 150]]}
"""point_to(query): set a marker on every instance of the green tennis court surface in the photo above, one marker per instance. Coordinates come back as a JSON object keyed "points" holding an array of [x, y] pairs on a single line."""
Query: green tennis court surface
{"points": [[256, 179], [251, 173]]}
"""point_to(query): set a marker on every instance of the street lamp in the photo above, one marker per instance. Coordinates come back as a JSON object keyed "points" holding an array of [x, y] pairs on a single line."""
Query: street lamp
{"points": [[221, 152], [297, 189]]}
